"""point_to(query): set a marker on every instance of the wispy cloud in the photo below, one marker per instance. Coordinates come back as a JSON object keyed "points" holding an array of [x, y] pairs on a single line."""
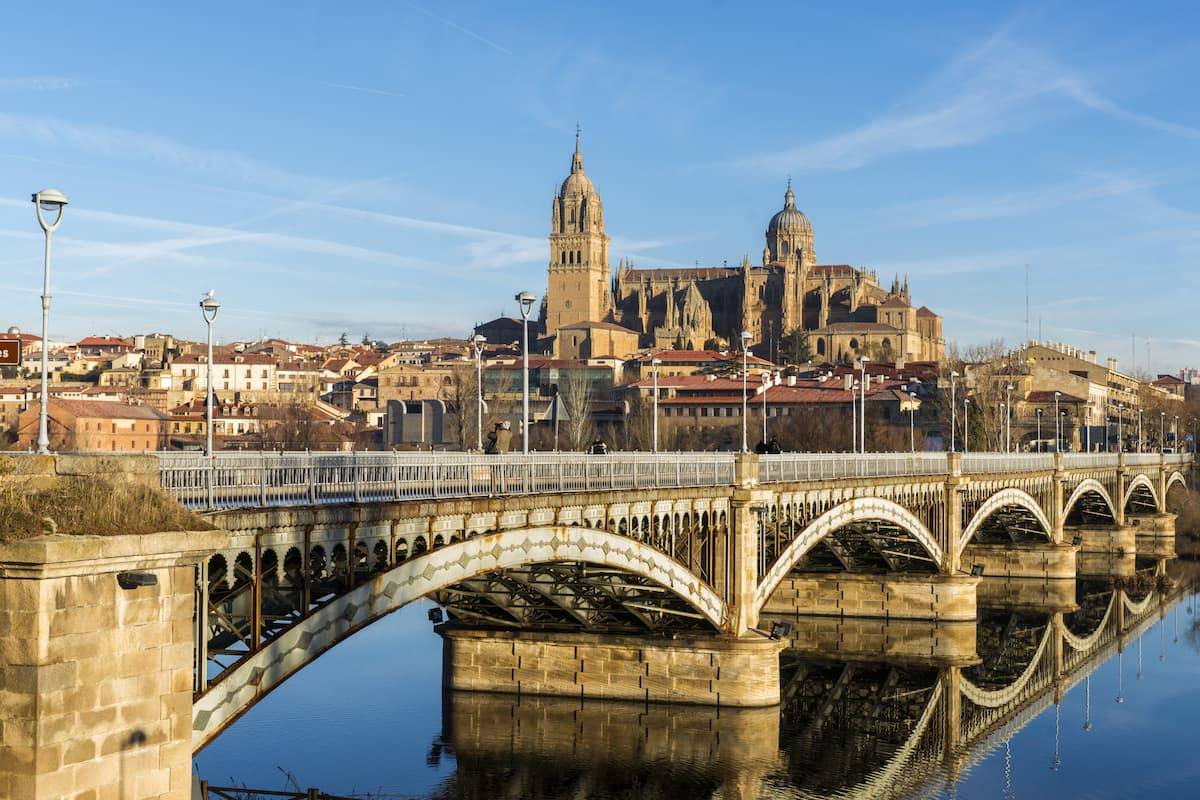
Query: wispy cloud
{"points": [[365, 89], [1003, 84], [39, 84], [968, 208], [466, 32], [102, 140]]}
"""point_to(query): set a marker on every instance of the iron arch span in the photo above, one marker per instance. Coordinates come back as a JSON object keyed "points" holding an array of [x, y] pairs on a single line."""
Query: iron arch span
{"points": [[1090, 492], [1012, 512], [857, 510], [1141, 496], [260, 672]]}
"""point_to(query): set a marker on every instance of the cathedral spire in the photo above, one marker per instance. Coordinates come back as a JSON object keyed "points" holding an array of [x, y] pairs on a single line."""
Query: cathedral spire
{"points": [[577, 156], [789, 197]]}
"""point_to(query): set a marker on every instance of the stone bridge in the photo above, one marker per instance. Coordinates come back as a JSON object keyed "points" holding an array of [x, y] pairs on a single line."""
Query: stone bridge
{"points": [[627, 576]]}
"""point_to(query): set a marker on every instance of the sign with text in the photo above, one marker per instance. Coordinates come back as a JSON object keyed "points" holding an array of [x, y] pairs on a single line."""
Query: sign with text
{"points": [[10, 352]]}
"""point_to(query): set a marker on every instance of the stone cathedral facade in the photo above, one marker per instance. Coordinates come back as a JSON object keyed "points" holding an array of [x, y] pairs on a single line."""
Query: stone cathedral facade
{"points": [[844, 309]]}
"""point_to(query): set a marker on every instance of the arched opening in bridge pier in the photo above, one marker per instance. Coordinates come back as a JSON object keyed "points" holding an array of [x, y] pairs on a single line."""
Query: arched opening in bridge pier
{"points": [[868, 546], [1011, 524], [572, 596], [1090, 508], [852, 728]]}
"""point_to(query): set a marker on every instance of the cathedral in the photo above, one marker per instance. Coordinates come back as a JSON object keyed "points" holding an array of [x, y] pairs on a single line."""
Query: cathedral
{"points": [[844, 310]]}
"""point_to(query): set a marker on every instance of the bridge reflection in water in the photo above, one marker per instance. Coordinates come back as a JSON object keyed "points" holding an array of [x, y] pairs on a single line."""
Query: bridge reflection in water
{"points": [[871, 708]]}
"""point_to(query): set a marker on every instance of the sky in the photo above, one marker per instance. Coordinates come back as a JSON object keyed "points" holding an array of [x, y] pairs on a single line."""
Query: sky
{"points": [[388, 168]]}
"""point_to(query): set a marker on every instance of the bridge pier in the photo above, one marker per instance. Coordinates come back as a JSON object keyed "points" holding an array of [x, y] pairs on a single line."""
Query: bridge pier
{"points": [[1161, 524], [1104, 538], [96, 679], [859, 639], [923, 596], [703, 670], [1043, 561]]}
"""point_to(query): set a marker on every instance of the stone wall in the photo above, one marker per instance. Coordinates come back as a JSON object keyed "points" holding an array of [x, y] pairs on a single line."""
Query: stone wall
{"points": [[708, 671], [932, 597], [1046, 561], [96, 680]]}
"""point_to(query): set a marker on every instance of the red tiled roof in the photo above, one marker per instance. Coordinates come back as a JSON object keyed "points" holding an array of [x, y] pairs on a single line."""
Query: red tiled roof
{"points": [[106, 410], [102, 341]]}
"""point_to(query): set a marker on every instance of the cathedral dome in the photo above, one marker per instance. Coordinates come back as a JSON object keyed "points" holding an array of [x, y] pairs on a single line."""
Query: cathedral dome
{"points": [[790, 219]]}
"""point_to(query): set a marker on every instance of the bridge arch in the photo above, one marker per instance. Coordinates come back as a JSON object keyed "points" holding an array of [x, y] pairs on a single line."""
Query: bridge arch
{"points": [[1139, 488], [1001, 500], [997, 698], [1176, 478], [259, 673], [858, 509], [1094, 488]]}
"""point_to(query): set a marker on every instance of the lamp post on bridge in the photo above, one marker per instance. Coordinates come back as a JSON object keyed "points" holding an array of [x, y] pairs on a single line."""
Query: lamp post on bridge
{"points": [[209, 307], [477, 343], [1002, 408], [863, 406], [1063, 414], [525, 301], [767, 384], [1057, 430], [1008, 417], [1175, 433], [1141, 443], [655, 363], [953, 409], [912, 426], [1040, 446], [966, 425], [745, 337], [47, 201], [1162, 430]]}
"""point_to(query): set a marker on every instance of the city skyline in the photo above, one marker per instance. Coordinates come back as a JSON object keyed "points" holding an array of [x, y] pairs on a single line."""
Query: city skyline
{"points": [[334, 169]]}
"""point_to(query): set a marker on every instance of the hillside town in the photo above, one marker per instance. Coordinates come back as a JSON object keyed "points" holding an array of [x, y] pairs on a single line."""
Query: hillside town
{"points": [[147, 393]]}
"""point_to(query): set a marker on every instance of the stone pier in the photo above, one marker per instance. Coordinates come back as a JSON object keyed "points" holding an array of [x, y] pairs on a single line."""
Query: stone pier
{"points": [[717, 671], [96, 679], [1043, 561], [934, 597], [862, 639], [1104, 538], [1162, 524]]}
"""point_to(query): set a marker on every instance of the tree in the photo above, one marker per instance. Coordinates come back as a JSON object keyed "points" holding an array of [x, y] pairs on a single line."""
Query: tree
{"points": [[575, 392], [343, 339], [366, 339], [983, 371], [795, 347], [461, 398]]}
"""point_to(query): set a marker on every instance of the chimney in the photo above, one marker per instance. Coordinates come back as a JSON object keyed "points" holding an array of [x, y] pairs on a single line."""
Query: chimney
{"points": [[848, 381], [1091, 356], [791, 380], [1112, 364]]}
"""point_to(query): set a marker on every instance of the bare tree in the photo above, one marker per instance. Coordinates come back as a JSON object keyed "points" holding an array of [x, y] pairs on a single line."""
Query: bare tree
{"points": [[575, 392], [461, 398], [983, 371]]}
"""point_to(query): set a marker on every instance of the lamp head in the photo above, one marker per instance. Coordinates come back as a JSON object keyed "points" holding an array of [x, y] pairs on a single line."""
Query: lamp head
{"points": [[525, 300], [656, 362], [209, 306], [746, 336], [953, 373], [14, 331], [49, 203]]}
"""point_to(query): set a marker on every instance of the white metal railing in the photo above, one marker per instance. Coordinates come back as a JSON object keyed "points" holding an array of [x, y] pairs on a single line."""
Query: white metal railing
{"points": [[260, 480], [977, 463], [241, 480], [833, 466]]}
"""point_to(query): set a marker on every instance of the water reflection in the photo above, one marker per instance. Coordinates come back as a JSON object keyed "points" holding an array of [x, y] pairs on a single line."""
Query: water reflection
{"points": [[871, 708]]}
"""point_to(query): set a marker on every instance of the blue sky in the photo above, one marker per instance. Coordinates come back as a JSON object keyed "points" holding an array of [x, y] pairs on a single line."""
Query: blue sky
{"points": [[388, 168]]}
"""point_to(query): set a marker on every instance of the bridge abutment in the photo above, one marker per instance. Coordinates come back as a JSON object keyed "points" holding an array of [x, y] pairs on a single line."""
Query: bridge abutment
{"points": [[703, 670], [97, 679]]}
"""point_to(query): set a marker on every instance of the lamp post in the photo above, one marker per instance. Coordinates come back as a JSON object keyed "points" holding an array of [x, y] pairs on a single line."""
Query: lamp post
{"points": [[862, 408], [1141, 444], [1063, 414], [1175, 433], [1120, 431], [912, 427], [525, 301], [853, 414], [209, 307], [1057, 430], [1162, 429], [1039, 429], [746, 337], [966, 426], [953, 409], [767, 383], [656, 363], [1003, 409], [477, 343], [1008, 418], [47, 201]]}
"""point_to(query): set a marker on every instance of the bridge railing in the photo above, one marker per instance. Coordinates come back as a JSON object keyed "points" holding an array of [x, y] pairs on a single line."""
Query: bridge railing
{"points": [[984, 463], [1144, 459], [1089, 460], [245, 480], [832, 466]]}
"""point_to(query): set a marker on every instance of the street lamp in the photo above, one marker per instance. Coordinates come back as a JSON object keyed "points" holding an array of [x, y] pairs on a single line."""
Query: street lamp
{"points": [[1003, 413], [525, 301], [477, 343], [656, 363], [766, 379], [1008, 418], [1141, 443], [912, 410], [47, 202], [953, 409], [1175, 433], [208, 307], [966, 426], [1057, 430], [1162, 429], [1039, 424], [745, 337], [863, 405], [1063, 414]]}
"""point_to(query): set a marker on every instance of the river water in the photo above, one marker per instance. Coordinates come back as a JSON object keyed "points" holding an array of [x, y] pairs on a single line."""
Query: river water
{"points": [[1113, 717]]}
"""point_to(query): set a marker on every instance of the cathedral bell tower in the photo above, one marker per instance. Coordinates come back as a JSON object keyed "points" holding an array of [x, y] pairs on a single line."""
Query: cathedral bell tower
{"points": [[790, 244], [579, 287]]}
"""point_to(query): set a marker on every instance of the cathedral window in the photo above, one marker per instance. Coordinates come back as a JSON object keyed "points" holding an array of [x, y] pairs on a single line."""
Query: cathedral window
{"points": [[564, 256]]}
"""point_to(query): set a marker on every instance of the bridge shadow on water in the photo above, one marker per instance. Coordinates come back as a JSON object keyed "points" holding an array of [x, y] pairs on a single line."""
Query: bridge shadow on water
{"points": [[1051, 693]]}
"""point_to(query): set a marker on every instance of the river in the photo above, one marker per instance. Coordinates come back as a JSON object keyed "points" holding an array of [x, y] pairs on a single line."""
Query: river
{"points": [[369, 718]]}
